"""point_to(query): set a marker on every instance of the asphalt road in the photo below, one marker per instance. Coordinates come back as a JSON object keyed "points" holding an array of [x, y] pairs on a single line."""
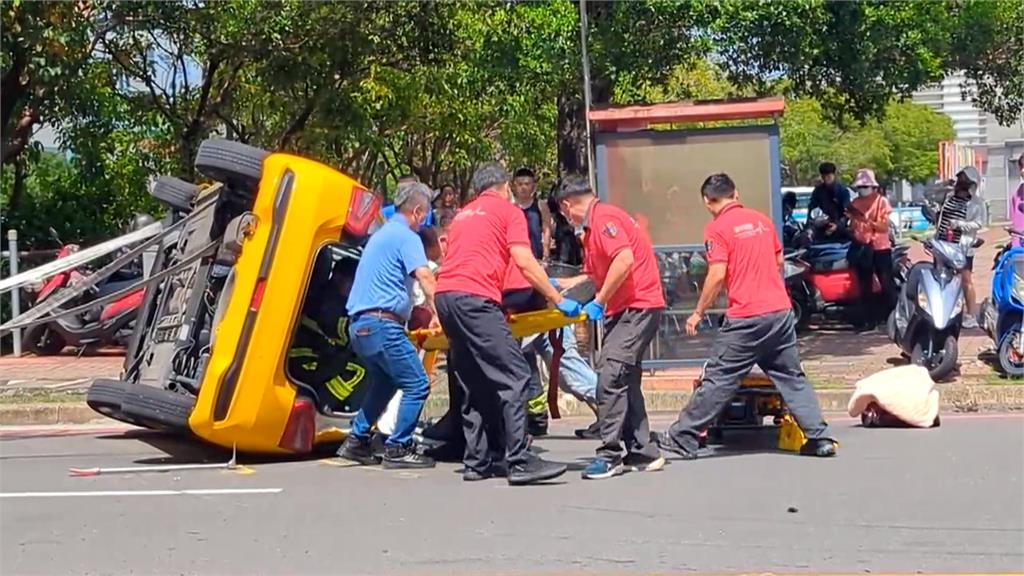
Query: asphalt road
{"points": [[948, 499]]}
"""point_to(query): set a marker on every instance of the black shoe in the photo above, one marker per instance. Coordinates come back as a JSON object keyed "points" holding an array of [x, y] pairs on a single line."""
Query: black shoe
{"points": [[497, 470], [534, 470], [592, 432], [405, 458], [822, 448], [666, 442], [537, 425], [358, 450], [640, 463]]}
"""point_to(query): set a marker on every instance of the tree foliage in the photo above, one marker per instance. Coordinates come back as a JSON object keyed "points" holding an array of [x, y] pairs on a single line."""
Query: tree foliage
{"points": [[384, 88]]}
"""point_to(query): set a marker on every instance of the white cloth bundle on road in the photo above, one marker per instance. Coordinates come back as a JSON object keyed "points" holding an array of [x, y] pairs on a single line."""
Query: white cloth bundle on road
{"points": [[906, 392]]}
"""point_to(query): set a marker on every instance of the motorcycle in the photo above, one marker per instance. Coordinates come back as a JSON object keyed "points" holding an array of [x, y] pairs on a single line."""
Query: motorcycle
{"points": [[819, 278], [929, 312], [1003, 313], [103, 325]]}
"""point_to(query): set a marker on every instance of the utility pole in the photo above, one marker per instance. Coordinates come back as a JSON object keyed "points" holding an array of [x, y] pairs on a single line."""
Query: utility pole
{"points": [[586, 93]]}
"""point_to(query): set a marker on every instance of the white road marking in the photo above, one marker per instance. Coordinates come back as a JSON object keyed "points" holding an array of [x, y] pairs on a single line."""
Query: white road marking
{"points": [[196, 492]]}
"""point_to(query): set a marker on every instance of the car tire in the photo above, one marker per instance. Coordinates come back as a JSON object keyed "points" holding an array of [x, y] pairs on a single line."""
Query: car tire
{"points": [[42, 341], [174, 193], [945, 367], [157, 408], [105, 396], [238, 165]]}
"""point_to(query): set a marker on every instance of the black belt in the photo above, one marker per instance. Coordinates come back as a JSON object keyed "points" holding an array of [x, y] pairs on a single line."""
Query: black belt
{"points": [[382, 314]]}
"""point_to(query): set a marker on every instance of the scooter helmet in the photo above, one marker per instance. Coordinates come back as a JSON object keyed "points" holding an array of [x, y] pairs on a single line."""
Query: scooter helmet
{"points": [[141, 221]]}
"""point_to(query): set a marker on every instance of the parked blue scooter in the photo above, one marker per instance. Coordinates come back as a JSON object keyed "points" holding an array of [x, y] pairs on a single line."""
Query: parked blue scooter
{"points": [[1003, 314]]}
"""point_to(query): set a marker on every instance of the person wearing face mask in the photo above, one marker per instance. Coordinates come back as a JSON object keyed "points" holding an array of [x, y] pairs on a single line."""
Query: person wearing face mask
{"points": [[620, 259], [745, 257], [1018, 202], [488, 234], [379, 307], [960, 219], [871, 250]]}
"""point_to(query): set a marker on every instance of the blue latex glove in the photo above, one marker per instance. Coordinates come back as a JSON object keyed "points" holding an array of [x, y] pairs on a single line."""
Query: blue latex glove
{"points": [[594, 310], [554, 282], [569, 307]]}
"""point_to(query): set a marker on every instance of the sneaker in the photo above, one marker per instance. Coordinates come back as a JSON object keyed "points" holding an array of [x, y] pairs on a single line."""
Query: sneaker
{"points": [[600, 468], [822, 448], [471, 475], [537, 426], [666, 442], [970, 322], [592, 432], [358, 450], [641, 463], [406, 458], [534, 470]]}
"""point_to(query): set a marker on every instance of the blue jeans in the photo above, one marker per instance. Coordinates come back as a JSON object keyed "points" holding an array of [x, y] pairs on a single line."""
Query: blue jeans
{"points": [[575, 373], [393, 364]]}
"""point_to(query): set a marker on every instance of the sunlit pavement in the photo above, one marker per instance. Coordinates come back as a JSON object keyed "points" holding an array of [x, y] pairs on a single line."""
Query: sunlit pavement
{"points": [[949, 499]]}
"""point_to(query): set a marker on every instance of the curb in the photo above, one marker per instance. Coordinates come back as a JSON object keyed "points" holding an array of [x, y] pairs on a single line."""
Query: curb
{"points": [[953, 398]]}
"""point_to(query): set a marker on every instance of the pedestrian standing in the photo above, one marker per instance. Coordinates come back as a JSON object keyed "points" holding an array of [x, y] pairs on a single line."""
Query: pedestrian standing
{"points": [[485, 236], [1017, 203], [871, 249], [620, 259], [960, 219], [745, 256], [379, 305]]}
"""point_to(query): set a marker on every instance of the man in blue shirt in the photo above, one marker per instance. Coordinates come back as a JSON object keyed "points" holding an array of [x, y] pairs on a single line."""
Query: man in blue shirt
{"points": [[389, 210], [379, 308]]}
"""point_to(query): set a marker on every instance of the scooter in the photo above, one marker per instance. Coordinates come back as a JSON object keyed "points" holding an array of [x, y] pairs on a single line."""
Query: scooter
{"points": [[1002, 314], [929, 312], [820, 281], [103, 325]]}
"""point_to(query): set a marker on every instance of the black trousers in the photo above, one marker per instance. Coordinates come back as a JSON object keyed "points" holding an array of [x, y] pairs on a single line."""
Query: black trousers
{"points": [[620, 402], [878, 264], [768, 341], [491, 374]]}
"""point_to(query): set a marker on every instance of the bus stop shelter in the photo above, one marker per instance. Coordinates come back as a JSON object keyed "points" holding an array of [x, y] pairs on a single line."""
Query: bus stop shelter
{"points": [[651, 161]]}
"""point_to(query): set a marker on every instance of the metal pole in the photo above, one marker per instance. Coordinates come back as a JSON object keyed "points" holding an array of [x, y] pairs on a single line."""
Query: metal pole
{"points": [[587, 100], [12, 246]]}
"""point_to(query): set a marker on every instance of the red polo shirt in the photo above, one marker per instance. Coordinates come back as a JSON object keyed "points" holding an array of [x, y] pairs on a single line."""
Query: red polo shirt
{"points": [[608, 231], [747, 243], [479, 239], [514, 279]]}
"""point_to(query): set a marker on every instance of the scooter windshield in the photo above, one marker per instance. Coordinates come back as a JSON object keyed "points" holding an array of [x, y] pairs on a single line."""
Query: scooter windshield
{"points": [[949, 254]]}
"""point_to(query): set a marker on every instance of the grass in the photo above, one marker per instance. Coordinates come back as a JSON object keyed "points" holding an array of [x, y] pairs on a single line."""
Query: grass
{"points": [[37, 396]]}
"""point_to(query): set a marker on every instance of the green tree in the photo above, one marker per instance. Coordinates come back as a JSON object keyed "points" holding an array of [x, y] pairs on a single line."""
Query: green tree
{"points": [[913, 132]]}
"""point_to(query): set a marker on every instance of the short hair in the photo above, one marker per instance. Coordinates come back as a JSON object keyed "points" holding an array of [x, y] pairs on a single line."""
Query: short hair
{"points": [[1020, 160], [411, 195], [429, 238], [718, 187], [404, 178], [488, 176], [523, 172], [449, 185], [826, 168], [574, 185]]}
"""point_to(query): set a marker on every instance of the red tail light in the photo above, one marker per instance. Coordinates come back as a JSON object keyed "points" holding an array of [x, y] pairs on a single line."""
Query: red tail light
{"points": [[257, 295], [300, 429], [363, 208]]}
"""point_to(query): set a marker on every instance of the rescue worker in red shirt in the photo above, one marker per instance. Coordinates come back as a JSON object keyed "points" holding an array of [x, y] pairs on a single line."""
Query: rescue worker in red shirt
{"points": [[745, 256], [485, 236], [620, 259]]}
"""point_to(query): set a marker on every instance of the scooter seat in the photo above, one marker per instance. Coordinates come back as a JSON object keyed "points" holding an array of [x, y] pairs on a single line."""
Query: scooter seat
{"points": [[833, 266]]}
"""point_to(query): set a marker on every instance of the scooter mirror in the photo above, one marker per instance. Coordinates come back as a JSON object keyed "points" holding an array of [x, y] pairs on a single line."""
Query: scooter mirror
{"points": [[54, 235]]}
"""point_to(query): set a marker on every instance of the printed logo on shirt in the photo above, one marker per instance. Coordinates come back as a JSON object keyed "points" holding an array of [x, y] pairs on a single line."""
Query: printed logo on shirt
{"points": [[464, 213], [708, 245], [610, 230], [748, 230]]}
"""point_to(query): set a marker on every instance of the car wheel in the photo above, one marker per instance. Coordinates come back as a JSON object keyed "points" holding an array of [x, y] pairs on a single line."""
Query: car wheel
{"points": [[158, 408], [174, 193], [42, 341], [105, 396], [1011, 361], [233, 163], [940, 363]]}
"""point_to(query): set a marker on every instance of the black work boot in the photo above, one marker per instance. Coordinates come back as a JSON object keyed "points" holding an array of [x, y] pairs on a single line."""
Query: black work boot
{"points": [[534, 470], [358, 450], [537, 424], [405, 458], [820, 447]]}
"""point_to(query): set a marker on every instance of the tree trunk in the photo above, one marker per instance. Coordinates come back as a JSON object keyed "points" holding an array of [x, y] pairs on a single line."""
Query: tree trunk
{"points": [[572, 126]]}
